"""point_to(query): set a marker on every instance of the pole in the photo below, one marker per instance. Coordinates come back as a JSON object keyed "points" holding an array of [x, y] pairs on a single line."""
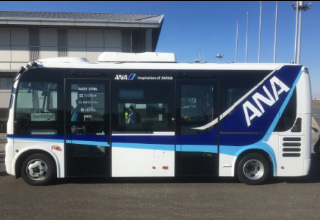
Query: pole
{"points": [[297, 46], [247, 37], [275, 34], [260, 24], [299, 39], [203, 60], [237, 35], [296, 33]]}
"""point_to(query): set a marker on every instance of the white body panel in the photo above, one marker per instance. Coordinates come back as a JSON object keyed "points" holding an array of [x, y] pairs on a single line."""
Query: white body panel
{"points": [[226, 165], [299, 166], [9, 157], [22, 146], [128, 162], [143, 160]]}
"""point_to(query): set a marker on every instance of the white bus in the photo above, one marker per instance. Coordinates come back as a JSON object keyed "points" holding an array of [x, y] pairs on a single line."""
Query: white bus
{"points": [[144, 115]]}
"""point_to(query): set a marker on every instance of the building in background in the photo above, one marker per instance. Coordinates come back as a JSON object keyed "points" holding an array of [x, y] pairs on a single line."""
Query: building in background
{"points": [[27, 36]]}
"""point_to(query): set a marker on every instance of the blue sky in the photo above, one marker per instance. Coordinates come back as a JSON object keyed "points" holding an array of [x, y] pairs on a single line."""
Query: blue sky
{"points": [[192, 29]]}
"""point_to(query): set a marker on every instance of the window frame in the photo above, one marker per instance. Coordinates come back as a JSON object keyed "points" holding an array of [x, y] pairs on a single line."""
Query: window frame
{"points": [[147, 86], [36, 127]]}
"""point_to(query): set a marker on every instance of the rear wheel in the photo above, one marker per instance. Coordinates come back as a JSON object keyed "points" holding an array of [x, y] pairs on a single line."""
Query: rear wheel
{"points": [[316, 148], [38, 169], [253, 169]]}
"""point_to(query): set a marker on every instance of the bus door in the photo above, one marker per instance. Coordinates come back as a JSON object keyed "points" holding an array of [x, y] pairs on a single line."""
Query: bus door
{"points": [[87, 127], [143, 137], [196, 127]]}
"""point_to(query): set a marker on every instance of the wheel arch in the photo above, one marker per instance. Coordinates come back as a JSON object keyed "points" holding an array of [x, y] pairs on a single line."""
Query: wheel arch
{"points": [[269, 156], [26, 153]]}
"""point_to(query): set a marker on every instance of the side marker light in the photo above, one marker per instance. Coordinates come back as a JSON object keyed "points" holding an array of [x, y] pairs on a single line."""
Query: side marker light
{"points": [[56, 147]]}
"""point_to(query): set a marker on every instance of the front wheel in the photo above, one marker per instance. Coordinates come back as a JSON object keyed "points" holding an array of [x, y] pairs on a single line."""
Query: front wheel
{"points": [[253, 169], [38, 169]]}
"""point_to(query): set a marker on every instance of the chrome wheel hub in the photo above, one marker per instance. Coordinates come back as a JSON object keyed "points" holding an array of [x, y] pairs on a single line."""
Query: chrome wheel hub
{"points": [[37, 169], [253, 169]]}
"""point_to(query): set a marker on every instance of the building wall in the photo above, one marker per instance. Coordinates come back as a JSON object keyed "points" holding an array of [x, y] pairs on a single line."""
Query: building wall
{"points": [[20, 45], [16, 44], [5, 93]]}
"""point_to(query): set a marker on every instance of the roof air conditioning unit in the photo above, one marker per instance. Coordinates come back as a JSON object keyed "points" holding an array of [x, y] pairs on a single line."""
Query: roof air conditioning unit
{"points": [[147, 57]]}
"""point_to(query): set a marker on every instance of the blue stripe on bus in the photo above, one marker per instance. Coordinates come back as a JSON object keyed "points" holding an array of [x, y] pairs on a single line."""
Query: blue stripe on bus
{"points": [[44, 138], [74, 139], [93, 143], [180, 148], [39, 139], [100, 138], [197, 148], [93, 140]]}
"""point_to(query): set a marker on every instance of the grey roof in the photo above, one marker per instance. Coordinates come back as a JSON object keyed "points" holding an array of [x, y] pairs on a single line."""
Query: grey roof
{"points": [[80, 19]]}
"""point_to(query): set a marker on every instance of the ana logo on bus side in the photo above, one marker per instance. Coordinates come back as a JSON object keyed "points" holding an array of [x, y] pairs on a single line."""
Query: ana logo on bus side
{"points": [[270, 100], [125, 77], [132, 76]]}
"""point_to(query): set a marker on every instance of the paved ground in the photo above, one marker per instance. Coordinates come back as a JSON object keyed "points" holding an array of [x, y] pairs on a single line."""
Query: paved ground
{"points": [[283, 198]]}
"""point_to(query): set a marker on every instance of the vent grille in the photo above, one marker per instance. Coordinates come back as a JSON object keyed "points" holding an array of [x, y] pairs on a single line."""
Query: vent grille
{"points": [[291, 147]]}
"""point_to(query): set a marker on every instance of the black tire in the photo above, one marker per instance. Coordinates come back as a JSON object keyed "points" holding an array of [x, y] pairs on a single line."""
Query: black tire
{"points": [[316, 147], [316, 150], [38, 169], [253, 169]]}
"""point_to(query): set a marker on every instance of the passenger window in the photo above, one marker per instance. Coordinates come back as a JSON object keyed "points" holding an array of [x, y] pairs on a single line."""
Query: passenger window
{"points": [[235, 85], [37, 101], [37, 104], [289, 115], [88, 110], [234, 94], [143, 107], [198, 105]]}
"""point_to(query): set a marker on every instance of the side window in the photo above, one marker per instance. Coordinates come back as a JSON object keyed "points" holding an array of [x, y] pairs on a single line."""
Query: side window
{"points": [[37, 106], [37, 101], [289, 115], [198, 105], [143, 107], [236, 84], [88, 110], [234, 94]]}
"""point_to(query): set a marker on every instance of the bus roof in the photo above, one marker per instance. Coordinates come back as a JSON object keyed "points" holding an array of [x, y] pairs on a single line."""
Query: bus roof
{"points": [[165, 66], [154, 61]]}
